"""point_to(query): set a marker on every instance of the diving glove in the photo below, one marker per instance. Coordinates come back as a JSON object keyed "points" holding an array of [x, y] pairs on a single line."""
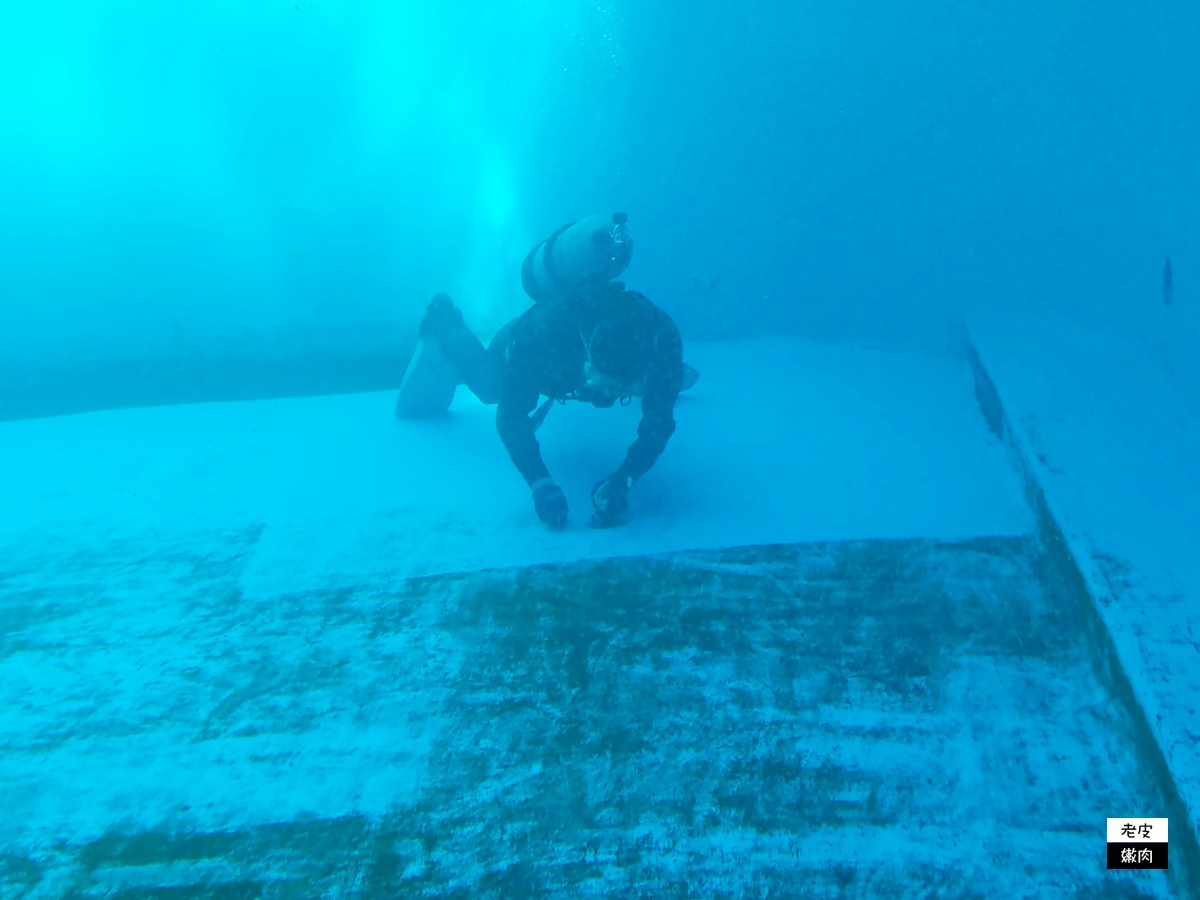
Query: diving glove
{"points": [[610, 497], [550, 503]]}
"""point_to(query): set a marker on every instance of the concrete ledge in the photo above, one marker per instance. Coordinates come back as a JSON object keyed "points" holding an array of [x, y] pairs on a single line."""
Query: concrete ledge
{"points": [[1083, 580]]}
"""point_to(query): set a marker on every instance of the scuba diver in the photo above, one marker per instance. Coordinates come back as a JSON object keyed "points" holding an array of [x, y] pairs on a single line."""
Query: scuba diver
{"points": [[586, 338]]}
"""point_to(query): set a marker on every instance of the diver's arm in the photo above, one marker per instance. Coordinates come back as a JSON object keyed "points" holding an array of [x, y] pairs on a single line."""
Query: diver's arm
{"points": [[610, 496], [658, 405], [661, 389], [517, 432], [518, 397], [654, 431], [517, 401]]}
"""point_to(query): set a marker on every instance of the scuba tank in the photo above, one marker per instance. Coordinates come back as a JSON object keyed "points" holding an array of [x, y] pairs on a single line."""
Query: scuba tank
{"points": [[594, 249]]}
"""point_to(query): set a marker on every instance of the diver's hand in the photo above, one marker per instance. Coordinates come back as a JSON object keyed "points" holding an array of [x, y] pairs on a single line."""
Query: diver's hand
{"points": [[550, 503], [610, 497]]}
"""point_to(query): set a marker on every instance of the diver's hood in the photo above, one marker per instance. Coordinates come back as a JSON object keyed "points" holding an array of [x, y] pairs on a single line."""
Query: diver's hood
{"points": [[607, 378]]}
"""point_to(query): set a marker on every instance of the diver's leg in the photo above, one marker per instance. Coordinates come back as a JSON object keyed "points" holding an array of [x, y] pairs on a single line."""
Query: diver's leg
{"points": [[480, 369], [443, 325], [447, 355], [488, 373]]}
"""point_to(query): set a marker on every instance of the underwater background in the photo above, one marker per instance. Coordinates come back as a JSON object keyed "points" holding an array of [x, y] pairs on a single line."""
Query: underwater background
{"points": [[252, 199]]}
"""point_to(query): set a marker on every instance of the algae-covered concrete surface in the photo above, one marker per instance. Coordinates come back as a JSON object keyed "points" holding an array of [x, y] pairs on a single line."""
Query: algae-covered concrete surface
{"points": [[872, 719]]}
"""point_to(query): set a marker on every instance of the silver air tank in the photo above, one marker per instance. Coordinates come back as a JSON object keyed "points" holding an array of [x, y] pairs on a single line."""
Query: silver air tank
{"points": [[595, 249]]}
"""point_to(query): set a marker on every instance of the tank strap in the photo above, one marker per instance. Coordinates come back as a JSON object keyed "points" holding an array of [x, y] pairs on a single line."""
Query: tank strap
{"points": [[528, 281], [532, 288], [548, 254]]}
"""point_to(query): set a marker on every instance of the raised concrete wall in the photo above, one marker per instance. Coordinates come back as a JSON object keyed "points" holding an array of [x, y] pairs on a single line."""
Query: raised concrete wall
{"points": [[1117, 653]]}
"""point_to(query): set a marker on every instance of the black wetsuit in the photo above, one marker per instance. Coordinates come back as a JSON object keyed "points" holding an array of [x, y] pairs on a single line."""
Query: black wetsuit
{"points": [[626, 336], [545, 352]]}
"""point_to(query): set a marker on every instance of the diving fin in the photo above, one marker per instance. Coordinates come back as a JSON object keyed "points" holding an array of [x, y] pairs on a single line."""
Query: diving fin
{"points": [[690, 377], [539, 414], [429, 383]]}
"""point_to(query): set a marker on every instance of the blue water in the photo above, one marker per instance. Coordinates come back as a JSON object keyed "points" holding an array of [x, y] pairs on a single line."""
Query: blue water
{"points": [[255, 199]]}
